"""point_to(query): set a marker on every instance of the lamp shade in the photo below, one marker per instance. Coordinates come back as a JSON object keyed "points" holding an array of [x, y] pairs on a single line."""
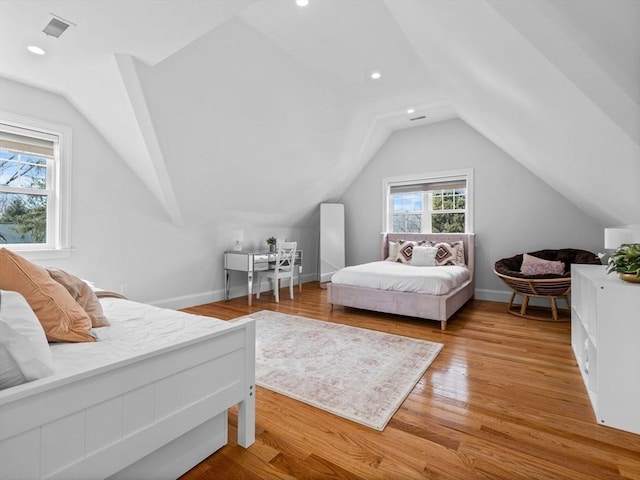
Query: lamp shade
{"points": [[238, 235], [614, 237]]}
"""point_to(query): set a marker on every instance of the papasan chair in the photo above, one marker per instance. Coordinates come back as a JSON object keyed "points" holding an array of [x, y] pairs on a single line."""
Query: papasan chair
{"points": [[543, 285]]}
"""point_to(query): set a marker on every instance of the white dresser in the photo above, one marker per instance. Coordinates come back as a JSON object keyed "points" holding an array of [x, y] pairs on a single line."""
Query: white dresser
{"points": [[605, 336]]}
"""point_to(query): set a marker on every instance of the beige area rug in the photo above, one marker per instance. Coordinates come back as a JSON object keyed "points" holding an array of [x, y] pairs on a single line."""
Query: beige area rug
{"points": [[355, 373]]}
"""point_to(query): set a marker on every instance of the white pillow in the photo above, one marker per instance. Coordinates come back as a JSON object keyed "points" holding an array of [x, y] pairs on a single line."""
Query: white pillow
{"points": [[10, 373], [424, 256], [393, 251], [23, 339]]}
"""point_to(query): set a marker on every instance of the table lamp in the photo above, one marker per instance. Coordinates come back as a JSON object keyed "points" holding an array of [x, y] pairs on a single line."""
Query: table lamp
{"points": [[614, 237], [238, 235]]}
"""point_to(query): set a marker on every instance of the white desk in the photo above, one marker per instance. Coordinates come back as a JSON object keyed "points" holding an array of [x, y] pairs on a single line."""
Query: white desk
{"points": [[251, 262]]}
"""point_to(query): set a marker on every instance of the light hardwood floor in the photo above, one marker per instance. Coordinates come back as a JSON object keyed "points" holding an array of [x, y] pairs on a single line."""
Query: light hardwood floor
{"points": [[503, 400]]}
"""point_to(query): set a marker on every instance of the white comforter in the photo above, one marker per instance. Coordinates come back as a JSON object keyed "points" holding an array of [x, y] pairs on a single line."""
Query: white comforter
{"points": [[385, 275], [136, 328]]}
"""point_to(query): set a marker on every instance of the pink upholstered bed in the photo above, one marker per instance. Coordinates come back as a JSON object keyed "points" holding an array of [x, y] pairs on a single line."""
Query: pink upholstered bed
{"points": [[428, 306]]}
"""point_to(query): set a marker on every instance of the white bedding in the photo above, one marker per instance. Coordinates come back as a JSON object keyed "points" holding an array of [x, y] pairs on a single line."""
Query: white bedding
{"points": [[385, 275], [136, 328]]}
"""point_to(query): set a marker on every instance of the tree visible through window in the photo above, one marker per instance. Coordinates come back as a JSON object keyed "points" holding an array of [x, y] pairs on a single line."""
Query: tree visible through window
{"points": [[448, 208], [27, 165], [429, 204]]}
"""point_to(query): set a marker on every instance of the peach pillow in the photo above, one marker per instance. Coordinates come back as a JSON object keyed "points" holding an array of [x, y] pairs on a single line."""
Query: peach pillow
{"points": [[82, 294], [61, 317]]}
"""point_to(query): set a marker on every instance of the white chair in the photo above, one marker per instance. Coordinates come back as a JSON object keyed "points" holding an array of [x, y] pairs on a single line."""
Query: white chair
{"points": [[283, 268]]}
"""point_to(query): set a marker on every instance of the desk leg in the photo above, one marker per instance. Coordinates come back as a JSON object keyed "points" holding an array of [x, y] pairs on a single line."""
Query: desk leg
{"points": [[226, 284], [250, 286], [300, 278]]}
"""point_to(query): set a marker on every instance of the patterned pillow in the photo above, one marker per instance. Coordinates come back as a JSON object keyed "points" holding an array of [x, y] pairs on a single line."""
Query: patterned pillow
{"points": [[449, 253], [405, 250], [537, 266]]}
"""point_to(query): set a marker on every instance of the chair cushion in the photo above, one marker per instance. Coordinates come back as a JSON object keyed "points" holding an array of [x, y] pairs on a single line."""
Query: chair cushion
{"points": [[537, 266], [511, 267]]}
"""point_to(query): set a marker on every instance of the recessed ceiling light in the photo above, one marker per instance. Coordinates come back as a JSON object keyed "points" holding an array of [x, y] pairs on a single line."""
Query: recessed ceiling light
{"points": [[410, 110], [375, 75], [302, 3], [36, 50]]}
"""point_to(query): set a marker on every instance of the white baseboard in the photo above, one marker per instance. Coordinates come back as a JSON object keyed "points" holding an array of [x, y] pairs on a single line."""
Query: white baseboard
{"points": [[492, 295], [185, 301], [504, 296]]}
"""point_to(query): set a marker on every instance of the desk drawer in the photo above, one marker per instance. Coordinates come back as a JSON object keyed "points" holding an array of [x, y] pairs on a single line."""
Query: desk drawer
{"points": [[261, 262]]}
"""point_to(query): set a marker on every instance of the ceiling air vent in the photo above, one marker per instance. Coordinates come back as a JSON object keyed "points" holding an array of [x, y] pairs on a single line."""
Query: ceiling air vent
{"points": [[422, 117], [55, 27]]}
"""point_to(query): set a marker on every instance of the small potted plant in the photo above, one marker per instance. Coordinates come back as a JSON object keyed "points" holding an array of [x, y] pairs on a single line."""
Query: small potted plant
{"points": [[626, 262], [271, 241]]}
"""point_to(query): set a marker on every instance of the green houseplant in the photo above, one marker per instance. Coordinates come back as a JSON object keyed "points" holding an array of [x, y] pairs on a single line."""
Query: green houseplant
{"points": [[626, 262], [271, 241]]}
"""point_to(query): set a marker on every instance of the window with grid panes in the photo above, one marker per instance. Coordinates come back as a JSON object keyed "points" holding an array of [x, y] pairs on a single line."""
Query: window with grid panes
{"points": [[31, 196], [437, 203]]}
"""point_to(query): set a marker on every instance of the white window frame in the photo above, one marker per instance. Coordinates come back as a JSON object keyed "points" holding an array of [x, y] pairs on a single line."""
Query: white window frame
{"points": [[465, 174], [59, 204]]}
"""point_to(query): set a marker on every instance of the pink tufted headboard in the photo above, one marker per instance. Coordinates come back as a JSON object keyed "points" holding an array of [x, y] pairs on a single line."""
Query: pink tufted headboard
{"points": [[467, 238]]}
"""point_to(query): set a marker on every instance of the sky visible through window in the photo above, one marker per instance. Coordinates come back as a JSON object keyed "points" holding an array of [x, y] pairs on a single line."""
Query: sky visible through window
{"points": [[23, 209]]}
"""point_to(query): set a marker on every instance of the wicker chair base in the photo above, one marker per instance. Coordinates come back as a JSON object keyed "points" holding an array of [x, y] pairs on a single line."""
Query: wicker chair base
{"points": [[557, 314], [553, 289]]}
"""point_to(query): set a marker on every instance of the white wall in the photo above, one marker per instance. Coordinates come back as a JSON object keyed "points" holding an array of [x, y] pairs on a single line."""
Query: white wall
{"points": [[122, 236], [244, 130], [514, 210]]}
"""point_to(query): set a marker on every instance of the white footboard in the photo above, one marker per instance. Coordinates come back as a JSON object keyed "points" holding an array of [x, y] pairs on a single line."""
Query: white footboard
{"points": [[152, 416]]}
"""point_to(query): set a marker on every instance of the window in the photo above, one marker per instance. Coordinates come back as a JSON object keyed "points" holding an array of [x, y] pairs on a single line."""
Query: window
{"points": [[34, 169], [432, 203]]}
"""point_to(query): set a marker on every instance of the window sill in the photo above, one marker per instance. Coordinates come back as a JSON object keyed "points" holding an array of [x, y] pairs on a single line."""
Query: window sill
{"points": [[52, 254]]}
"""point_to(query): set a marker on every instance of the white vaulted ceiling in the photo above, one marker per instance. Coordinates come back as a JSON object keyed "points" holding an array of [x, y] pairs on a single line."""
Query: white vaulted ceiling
{"points": [[208, 98]]}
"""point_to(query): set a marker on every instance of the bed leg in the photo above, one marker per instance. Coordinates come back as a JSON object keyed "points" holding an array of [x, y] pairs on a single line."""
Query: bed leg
{"points": [[247, 407], [443, 324], [247, 419]]}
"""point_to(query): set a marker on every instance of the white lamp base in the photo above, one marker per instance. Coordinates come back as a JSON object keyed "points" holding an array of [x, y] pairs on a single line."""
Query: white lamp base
{"points": [[237, 247]]}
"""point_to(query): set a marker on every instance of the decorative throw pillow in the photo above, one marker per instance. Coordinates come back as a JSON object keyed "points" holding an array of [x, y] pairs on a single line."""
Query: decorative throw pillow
{"points": [[538, 266], [405, 250], [61, 317], [424, 256], [24, 352], [82, 294], [393, 252], [449, 253]]}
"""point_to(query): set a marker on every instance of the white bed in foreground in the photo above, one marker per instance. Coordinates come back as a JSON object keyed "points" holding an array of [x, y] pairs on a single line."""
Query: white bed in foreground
{"points": [[134, 404]]}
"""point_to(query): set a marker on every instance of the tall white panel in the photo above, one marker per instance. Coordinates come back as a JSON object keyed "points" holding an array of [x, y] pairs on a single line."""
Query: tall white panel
{"points": [[332, 256]]}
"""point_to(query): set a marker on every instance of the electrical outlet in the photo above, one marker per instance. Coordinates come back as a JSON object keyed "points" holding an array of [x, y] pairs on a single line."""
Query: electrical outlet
{"points": [[123, 289]]}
